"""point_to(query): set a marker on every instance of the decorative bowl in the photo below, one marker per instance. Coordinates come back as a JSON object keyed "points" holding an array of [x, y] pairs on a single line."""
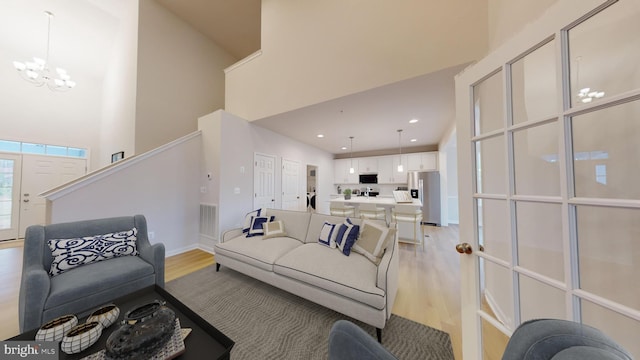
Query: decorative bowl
{"points": [[55, 329], [144, 330], [106, 315], [81, 337]]}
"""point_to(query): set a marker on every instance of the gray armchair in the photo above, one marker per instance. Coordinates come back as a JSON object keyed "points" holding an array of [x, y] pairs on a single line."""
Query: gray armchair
{"points": [[81, 289], [542, 339]]}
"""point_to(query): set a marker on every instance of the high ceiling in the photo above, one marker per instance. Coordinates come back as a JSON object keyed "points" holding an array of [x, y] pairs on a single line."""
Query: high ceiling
{"points": [[372, 117], [234, 25]]}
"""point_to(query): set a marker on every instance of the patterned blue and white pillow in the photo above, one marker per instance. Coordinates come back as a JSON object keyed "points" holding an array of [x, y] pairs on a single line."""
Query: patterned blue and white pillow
{"points": [[247, 219], [71, 253], [328, 235], [256, 228], [347, 236]]}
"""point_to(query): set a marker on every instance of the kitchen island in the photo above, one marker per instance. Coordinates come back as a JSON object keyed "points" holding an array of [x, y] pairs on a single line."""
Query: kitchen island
{"points": [[405, 230]]}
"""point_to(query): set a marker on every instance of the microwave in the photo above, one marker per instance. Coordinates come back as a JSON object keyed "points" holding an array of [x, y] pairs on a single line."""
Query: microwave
{"points": [[368, 178]]}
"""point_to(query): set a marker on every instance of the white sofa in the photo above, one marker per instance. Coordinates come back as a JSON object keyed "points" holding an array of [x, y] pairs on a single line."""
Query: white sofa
{"points": [[351, 285]]}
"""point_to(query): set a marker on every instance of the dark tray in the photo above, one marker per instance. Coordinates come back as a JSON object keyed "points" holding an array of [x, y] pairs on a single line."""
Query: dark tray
{"points": [[204, 338]]}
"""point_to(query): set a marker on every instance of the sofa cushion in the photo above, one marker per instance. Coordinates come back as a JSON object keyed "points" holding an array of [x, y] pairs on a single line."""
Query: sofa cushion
{"points": [[350, 276], [71, 253], [296, 222], [256, 251], [274, 229], [93, 278], [373, 240]]}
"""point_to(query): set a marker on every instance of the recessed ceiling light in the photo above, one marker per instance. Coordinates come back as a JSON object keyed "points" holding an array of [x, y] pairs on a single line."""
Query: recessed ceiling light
{"points": [[414, 140], [320, 135], [343, 148], [413, 121]]}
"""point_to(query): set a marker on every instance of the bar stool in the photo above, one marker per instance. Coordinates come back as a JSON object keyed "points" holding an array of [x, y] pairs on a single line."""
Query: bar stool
{"points": [[372, 211], [342, 209], [409, 214]]}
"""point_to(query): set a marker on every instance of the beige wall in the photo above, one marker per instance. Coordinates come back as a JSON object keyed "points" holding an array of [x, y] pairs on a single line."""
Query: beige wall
{"points": [[507, 17], [180, 77], [316, 51], [117, 128]]}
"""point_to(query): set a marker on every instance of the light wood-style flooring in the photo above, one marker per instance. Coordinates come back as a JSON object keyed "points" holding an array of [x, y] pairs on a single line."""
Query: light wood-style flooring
{"points": [[428, 292]]}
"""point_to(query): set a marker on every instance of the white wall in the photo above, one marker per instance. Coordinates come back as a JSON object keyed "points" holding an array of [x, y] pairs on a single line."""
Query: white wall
{"points": [[317, 51], [117, 128], [163, 187], [180, 77], [230, 143]]}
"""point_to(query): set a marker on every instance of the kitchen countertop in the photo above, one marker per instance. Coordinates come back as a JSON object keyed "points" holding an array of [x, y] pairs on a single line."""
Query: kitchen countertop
{"points": [[388, 201]]}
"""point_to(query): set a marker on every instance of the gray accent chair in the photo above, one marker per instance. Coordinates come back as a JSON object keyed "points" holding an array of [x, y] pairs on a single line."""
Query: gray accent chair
{"points": [[542, 339], [82, 289]]}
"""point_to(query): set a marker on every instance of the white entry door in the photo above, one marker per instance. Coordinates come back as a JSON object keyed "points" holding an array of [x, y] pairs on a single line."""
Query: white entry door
{"points": [[264, 173], [39, 174], [291, 198], [548, 136], [10, 175]]}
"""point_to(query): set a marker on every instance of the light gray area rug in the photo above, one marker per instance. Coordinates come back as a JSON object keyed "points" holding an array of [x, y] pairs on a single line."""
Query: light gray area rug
{"points": [[268, 323]]}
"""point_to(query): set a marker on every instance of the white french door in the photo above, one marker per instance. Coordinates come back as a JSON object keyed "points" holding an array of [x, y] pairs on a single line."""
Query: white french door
{"points": [[264, 181], [10, 178], [549, 159], [291, 185]]}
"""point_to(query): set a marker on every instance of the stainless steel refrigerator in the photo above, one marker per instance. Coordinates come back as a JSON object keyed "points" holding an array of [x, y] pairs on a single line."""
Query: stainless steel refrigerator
{"points": [[426, 187]]}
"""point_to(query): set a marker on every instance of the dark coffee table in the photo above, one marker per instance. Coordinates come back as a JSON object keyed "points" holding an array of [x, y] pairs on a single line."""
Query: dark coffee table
{"points": [[204, 340]]}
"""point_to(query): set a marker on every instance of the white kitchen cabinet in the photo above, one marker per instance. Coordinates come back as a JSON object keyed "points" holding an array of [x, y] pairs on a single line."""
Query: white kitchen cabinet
{"points": [[341, 173], [368, 164], [423, 161], [388, 169]]}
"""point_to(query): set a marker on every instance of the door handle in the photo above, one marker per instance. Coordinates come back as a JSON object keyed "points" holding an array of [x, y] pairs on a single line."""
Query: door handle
{"points": [[464, 248]]}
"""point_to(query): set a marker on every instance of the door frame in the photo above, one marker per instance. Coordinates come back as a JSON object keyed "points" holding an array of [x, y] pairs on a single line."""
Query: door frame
{"points": [[255, 179]]}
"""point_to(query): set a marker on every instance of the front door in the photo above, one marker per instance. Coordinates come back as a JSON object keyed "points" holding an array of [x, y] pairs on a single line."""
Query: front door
{"points": [[290, 185], [10, 175], [39, 174], [549, 161]]}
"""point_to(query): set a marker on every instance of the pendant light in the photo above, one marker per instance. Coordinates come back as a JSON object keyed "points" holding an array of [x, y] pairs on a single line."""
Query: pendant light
{"points": [[351, 169], [400, 168]]}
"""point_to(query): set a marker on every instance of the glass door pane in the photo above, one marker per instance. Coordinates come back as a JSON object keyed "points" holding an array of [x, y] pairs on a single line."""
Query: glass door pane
{"points": [[604, 53], [608, 252], [534, 92], [536, 155], [539, 238], [606, 155], [9, 195], [488, 100]]}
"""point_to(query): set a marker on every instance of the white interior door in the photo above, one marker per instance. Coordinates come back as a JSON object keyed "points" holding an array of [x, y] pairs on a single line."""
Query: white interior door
{"points": [[264, 181], [549, 202], [291, 197], [10, 175], [39, 174]]}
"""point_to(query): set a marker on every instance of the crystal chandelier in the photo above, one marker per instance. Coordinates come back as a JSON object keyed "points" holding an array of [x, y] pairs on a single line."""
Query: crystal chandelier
{"points": [[38, 73]]}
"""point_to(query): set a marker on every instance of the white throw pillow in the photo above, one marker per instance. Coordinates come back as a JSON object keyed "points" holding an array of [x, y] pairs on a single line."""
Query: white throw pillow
{"points": [[71, 253], [328, 235]]}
